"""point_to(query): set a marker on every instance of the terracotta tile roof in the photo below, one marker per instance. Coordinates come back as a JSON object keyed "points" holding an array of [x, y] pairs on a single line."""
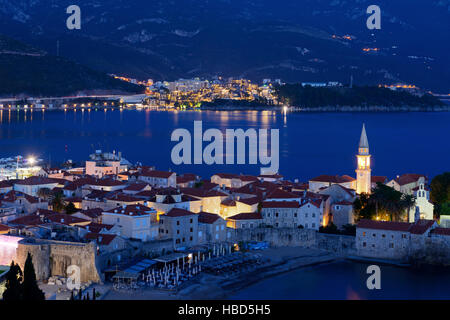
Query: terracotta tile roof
{"points": [[34, 180], [246, 216], [121, 197], [31, 199], [409, 178], [226, 175], [4, 228], [315, 202], [136, 187], [247, 178], [146, 194], [157, 174], [281, 204], [441, 231], [421, 226], [187, 177], [333, 179], [228, 203], [132, 210], [206, 217], [43, 216], [177, 212], [5, 184], [73, 199], [384, 225], [281, 194], [106, 183], [273, 176], [92, 213], [203, 192], [102, 239], [208, 185], [97, 227], [250, 201], [380, 179]]}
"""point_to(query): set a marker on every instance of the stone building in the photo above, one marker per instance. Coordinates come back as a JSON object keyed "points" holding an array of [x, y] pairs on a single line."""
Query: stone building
{"points": [[211, 228], [134, 221], [281, 214], [181, 226]]}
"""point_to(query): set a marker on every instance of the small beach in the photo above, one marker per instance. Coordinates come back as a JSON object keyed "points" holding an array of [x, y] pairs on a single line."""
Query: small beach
{"points": [[207, 286]]}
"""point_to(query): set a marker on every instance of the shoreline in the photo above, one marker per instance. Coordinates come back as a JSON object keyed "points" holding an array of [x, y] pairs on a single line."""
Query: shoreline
{"points": [[215, 287], [290, 109]]}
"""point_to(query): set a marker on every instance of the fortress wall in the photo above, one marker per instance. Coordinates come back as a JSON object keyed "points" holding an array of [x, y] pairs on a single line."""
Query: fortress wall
{"points": [[52, 259], [280, 237]]}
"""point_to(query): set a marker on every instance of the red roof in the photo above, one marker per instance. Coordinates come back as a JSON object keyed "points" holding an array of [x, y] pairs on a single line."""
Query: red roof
{"points": [[136, 187], [250, 201], [272, 176], [314, 202], [35, 180], [92, 213], [5, 184], [280, 204], [246, 216], [228, 203], [281, 194], [421, 226], [177, 212], [384, 225], [409, 178], [157, 174], [97, 227], [380, 179], [333, 179], [132, 210], [106, 183], [247, 178], [206, 217], [101, 239], [441, 231], [226, 175], [4, 228], [203, 193], [121, 197]]}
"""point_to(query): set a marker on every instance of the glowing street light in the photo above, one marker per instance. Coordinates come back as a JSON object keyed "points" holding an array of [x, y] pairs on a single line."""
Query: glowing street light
{"points": [[31, 160]]}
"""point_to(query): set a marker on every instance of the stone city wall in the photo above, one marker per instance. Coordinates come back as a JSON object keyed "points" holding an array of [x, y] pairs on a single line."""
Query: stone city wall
{"points": [[282, 237], [51, 258]]}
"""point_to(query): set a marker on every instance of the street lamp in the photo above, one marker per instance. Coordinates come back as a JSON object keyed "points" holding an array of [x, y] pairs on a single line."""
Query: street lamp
{"points": [[31, 160]]}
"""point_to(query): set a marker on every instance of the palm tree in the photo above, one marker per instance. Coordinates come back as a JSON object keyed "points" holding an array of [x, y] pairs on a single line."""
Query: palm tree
{"points": [[57, 202], [408, 201]]}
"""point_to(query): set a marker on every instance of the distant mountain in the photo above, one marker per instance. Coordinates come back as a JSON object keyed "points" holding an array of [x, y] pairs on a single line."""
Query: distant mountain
{"points": [[27, 71], [301, 40]]}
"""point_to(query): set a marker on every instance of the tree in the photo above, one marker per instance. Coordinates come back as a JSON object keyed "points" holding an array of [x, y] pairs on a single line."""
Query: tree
{"points": [[13, 290], [57, 202], [70, 208], [330, 228], [440, 192], [349, 229], [383, 203], [363, 208], [30, 288]]}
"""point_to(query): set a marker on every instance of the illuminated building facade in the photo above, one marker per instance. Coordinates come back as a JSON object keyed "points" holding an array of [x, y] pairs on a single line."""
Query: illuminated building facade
{"points": [[363, 171]]}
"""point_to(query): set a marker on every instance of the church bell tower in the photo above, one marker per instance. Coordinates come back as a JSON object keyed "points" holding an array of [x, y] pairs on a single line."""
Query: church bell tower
{"points": [[363, 181]]}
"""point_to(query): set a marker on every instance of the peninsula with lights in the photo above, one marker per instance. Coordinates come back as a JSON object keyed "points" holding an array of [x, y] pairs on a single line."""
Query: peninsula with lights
{"points": [[125, 226]]}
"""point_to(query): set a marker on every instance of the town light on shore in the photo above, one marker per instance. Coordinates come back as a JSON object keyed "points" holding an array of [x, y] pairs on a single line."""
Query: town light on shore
{"points": [[31, 160]]}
